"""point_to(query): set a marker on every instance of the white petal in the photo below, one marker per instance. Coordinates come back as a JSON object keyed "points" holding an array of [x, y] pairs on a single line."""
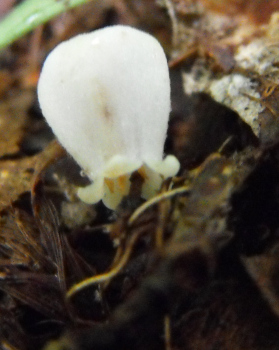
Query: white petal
{"points": [[167, 167], [93, 193], [113, 194], [152, 184], [119, 165], [107, 93]]}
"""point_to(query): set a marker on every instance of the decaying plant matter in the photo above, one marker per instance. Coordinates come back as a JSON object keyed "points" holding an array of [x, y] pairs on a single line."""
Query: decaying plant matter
{"points": [[234, 51], [194, 267]]}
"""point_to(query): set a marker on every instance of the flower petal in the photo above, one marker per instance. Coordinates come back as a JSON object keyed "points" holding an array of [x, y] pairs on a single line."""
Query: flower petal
{"points": [[93, 193]]}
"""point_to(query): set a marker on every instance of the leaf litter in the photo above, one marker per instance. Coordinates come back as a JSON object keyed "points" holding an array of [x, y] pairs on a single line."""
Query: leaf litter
{"points": [[191, 267]]}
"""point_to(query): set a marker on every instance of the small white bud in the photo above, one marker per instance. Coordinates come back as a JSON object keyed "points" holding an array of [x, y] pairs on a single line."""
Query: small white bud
{"points": [[106, 95]]}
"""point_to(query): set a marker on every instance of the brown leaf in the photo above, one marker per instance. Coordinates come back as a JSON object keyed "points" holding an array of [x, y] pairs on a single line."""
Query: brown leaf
{"points": [[15, 179], [13, 119], [17, 176]]}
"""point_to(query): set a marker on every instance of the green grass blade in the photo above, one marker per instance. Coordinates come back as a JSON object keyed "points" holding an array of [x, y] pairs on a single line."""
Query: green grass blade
{"points": [[30, 14]]}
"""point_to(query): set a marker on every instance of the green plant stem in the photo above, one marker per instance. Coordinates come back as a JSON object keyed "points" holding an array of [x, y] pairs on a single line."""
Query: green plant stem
{"points": [[30, 14]]}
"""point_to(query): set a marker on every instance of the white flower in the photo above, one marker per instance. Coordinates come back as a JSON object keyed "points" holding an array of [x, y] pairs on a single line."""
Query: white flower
{"points": [[106, 95]]}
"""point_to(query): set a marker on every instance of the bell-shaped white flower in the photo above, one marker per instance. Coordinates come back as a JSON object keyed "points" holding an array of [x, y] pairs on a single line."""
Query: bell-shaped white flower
{"points": [[106, 95]]}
